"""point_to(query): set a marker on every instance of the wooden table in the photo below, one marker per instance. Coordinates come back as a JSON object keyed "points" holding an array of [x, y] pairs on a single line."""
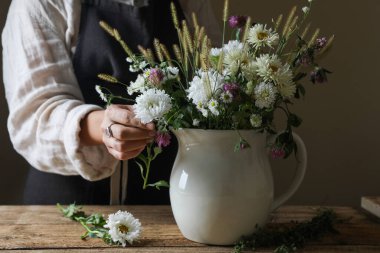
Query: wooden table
{"points": [[43, 229]]}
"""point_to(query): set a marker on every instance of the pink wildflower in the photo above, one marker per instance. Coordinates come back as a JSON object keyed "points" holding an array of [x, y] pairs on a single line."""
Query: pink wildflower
{"points": [[163, 139], [156, 76]]}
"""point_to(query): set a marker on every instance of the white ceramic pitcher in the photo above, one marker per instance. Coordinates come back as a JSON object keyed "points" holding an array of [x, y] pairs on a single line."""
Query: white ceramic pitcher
{"points": [[218, 195]]}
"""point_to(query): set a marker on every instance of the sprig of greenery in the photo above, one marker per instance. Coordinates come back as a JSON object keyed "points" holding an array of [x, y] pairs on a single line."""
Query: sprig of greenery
{"points": [[289, 238], [93, 224]]}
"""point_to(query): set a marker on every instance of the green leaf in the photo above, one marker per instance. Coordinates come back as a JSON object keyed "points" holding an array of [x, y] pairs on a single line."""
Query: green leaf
{"points": [[72, 211], [142, 158], [159, 184], [294, 120], [141, 169]]}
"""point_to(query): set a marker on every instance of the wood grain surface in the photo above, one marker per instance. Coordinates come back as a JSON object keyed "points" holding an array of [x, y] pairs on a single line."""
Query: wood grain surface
{"points": [[44, 229]]}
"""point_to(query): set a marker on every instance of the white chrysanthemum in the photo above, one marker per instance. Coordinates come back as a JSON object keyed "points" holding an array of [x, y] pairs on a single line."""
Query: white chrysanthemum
{"points": [[260, 36], [213, 107], [123, 227], [256, 120], [204, 86], [137, 86], [235, 55], [250, 70], [152, 105], [287, 90], [171, 73], [226, 97], [270, 68], [265, 95], [101, 93], [305, 9]]}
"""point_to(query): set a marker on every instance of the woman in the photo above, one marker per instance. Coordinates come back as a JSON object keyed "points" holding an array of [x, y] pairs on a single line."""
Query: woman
{"points": [[52, 53]]}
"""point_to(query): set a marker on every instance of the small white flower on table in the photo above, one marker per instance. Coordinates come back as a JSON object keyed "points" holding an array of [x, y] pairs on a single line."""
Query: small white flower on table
{"points": [[123, 227]]}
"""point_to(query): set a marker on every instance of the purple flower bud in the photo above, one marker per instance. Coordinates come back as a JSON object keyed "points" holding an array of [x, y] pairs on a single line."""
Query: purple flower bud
{"points": [[231, 87], [320, 43], [319, 75], [305, 60], [277, 153], [237, 21], [163, 139], [156, 76]]}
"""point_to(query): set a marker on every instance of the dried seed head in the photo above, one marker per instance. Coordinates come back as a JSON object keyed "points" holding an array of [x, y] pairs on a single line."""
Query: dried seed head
{"points": [[108, 78], [187, 36], [289, 20], [313, 38], [106, 27], [174, 15], [305, 31], [177, 52], [226, 10], [246, 29], [278, 22], [157, 49]]}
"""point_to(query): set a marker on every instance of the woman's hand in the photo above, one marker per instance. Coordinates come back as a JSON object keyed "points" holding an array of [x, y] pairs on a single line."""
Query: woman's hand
{"points": [[124, 136]]}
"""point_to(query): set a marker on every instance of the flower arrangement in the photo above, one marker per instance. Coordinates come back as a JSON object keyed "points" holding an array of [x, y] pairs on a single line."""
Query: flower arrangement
{"points": [[237, 86]]}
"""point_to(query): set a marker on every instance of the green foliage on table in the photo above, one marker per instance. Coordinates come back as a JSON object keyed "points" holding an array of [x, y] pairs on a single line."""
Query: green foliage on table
{"points": [[93, 224], [289, 238]]}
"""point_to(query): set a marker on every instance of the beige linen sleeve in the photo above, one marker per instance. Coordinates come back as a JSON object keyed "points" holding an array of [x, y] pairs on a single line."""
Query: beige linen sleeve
{"points": [[206, 17], [44, 98]]}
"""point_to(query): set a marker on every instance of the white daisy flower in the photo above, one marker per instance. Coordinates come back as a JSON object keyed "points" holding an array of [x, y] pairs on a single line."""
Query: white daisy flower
{"points": [[143, 65], [202, 109], [256, 120], [137, 86], [152, 105], [171, 73], [204, 86], [101, 93], [213, 107], [226, 97], [196, 122], [260, 36], [265, 94], [123, 227], [305, 10], [215, 52]]}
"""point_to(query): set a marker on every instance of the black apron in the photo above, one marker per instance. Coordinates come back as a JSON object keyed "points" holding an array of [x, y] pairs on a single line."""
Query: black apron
{"points": [[97, 52]]}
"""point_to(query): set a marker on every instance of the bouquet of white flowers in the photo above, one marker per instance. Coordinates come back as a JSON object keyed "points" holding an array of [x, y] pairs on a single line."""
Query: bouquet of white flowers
{"points": [[237, 86]]}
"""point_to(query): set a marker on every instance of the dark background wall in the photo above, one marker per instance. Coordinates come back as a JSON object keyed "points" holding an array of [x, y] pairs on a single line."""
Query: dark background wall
{"points": [[341, 118]]}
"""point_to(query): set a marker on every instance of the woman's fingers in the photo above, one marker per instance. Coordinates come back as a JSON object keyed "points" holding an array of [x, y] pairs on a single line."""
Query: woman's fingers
{"points": [[124, 155], [126, 146], [124, 115], [125, 133]]}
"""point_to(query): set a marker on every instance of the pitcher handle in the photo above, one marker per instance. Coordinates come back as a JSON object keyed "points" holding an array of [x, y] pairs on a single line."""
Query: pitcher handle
{"points": [[300, 173]]}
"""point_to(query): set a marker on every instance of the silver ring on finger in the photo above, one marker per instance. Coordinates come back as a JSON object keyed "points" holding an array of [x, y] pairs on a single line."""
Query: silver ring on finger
{"points": [[108, 131]]}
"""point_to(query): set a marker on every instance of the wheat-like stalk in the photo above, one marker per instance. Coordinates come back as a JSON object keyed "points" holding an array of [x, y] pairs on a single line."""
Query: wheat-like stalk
{"points": [[157, 49], [108, 78], [289, 20], [313, 38]]}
